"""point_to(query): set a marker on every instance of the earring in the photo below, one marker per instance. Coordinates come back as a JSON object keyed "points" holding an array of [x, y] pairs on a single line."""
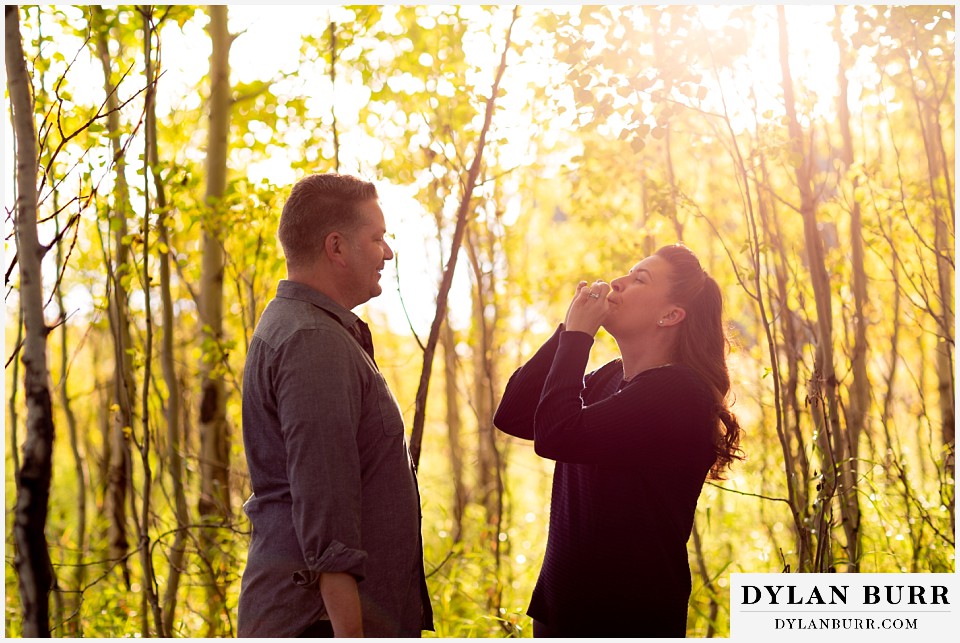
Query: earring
{"points": [[660, 322]]}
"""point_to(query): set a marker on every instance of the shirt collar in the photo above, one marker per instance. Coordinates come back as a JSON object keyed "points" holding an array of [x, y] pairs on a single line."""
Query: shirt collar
{"points": [[295, 290]]}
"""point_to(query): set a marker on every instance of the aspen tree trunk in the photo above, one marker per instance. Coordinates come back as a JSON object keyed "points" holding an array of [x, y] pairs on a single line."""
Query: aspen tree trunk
{"points": [[332, 30], [796, 484], [837, 476], [661, 57], [214, 505], [481, 400], [118, 476], [796, 464], [79, 465], [889, 459], [174, 459], [943, 243], [64, 600], [461, 494], [707, 582], [32, 558], [489, 474], [419, 416], [489, 480], [104, 424], [151, 599], [893, 358], [454, 427], [945, 391], [859, 399], [12, 401], [649, 244]]}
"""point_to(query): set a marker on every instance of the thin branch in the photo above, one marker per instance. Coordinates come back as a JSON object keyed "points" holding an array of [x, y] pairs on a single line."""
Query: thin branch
{"points": [[746, 493], [404, 306]]}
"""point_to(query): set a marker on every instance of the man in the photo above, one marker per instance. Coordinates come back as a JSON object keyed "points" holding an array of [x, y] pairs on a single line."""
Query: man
{"points": [[336, 547]]}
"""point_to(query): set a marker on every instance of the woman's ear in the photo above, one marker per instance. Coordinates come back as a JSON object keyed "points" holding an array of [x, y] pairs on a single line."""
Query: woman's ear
{"points": [[675, 316]]}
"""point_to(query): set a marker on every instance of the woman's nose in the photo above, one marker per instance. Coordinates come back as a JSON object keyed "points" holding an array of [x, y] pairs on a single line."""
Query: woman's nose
{"points": [[615, 285]]}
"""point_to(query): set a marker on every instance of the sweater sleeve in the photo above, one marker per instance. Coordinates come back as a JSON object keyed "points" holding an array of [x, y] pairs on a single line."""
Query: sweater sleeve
{"points": [[664, 413], [515, 413]]}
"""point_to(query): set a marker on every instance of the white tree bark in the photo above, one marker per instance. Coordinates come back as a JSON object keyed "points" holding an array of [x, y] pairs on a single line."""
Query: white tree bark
{"points": [[214, 505], [32, 559]]}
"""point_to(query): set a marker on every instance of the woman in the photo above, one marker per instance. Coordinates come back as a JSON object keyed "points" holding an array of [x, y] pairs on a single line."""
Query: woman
{"points": [[633, 441]]}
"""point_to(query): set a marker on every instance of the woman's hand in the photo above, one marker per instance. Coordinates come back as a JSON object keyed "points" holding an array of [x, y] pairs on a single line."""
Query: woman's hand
{"points": [[580, 286], [588, 308]]}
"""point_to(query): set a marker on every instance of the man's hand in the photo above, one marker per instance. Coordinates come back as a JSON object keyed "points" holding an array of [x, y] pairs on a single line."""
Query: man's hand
{"points": [[342, 600]]}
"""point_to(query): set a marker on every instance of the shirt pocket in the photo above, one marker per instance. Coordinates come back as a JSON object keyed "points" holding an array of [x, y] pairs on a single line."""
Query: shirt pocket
{"points": [[390, 414]]}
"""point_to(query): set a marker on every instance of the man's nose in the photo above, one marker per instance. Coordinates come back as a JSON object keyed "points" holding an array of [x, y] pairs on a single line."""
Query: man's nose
{"points": [[387, 251]]}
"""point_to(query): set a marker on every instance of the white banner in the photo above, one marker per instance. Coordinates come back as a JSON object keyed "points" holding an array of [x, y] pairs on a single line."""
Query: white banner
{"points": [[844, 607]]}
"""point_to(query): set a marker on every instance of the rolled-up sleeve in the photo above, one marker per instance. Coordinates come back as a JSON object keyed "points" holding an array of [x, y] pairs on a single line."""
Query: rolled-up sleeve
{"points": [[319, 393]]}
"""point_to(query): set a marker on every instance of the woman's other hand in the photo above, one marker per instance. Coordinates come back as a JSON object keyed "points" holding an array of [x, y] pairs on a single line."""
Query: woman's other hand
{"points": [[580, 286], [588, 308]]}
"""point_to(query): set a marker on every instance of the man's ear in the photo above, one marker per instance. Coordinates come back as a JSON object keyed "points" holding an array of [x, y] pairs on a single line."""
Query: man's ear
{"points": [[334, 246]]}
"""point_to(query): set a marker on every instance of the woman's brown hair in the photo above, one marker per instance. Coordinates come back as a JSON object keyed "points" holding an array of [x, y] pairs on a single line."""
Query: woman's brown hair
{"points": [[703, 345]]}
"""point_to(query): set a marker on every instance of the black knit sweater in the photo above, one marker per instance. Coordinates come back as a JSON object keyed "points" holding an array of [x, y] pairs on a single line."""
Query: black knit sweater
{"points": [[631, 461]]}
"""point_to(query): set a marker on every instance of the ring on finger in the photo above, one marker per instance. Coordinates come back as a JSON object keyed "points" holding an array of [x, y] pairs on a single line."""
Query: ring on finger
{"points": [[594, 295]]}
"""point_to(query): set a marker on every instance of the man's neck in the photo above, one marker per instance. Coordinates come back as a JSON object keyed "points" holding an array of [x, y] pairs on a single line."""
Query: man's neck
{"points": [[322, 282]]}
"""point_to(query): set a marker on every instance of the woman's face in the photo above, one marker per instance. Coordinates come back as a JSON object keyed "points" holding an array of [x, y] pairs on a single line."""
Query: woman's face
{"points": [[640, 299]]}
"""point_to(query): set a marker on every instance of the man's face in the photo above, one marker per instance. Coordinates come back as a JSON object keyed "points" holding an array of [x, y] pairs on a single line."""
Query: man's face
{"points": [[367, 253]]}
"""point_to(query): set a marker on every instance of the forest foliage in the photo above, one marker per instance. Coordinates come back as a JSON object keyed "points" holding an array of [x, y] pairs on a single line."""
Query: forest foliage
{"points": [[804, 153]]}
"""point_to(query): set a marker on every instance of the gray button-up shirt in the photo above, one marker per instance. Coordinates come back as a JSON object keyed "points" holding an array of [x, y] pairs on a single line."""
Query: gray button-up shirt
{"points": [[333, 484]]}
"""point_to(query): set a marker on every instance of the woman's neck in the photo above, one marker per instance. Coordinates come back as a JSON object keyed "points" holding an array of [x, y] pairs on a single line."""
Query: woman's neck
{"points": [[639, 356]]}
